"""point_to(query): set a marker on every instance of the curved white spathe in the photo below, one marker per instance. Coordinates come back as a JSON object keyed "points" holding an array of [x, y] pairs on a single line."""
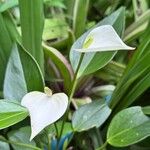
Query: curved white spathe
{"points": [[103, 38], [44, 109]]}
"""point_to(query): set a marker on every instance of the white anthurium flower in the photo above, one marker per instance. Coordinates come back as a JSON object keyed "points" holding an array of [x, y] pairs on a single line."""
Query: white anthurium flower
{"points": [[44, 108], [103, 38]]}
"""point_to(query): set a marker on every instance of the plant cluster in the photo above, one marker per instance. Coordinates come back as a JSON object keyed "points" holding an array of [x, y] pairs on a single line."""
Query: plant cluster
{"points": [[69, 80]]}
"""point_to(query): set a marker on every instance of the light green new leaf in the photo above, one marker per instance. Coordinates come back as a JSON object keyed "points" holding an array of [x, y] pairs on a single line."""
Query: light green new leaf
{"points": [[90, 115], [22, 136], [128, 127], [32, 21], [96, 60], [11, 113], [22, 75]]}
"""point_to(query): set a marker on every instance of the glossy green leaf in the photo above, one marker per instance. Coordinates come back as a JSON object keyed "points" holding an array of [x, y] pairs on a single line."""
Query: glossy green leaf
{"points": [[11, 113], [8, 4], [90, 115], [23, 73], [32, 20], [62, 64], [128, 127], [93, 61], [22, 137], [80, 16]]}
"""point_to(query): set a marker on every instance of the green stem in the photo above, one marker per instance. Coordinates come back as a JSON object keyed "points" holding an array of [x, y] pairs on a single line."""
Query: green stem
{"points": [[100, 137], [103, 147], [48, 140], [19, 144], [57, 132], [71, 93]]}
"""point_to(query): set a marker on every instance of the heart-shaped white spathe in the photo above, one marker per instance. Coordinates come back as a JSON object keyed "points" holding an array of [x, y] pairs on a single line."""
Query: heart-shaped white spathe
{"points": [[103, 38], [44, 109]]}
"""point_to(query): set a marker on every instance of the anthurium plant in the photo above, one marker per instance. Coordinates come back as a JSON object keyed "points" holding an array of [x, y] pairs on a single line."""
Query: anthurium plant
{"points": [[73, 77]]}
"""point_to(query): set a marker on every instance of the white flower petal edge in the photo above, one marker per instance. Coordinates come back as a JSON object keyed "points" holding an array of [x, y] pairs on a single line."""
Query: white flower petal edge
{"points": [[103, 38], [43, 109]]}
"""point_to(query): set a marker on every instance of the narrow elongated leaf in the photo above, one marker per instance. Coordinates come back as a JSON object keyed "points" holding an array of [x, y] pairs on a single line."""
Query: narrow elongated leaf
{"points": [[132, 73], [22, 73], [142, 85], [95, 60], [5, 49], [11, 27], [32, 20], [62, 64], [142, 49], [11, 113], [128, 127], [79, 16], [90, 115], [22, 136], [135, 29]]}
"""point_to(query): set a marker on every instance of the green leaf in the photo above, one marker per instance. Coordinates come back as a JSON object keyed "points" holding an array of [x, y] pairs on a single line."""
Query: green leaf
{"points": [[3, 145], [11, 27], [22, 137], [55, 28], [79, 16], [55, 3], [23, 73], [67, 128], [5, 49], [8, 4], [96, 60], [62, 64], [32, 21], [128, 127], [146, 110], [11, 113], [133, 74], [90, 115], [139, 87], [136, 28]]}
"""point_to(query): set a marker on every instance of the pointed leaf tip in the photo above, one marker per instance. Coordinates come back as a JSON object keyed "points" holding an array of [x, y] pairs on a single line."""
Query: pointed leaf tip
{"points": [[103, 38]]}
